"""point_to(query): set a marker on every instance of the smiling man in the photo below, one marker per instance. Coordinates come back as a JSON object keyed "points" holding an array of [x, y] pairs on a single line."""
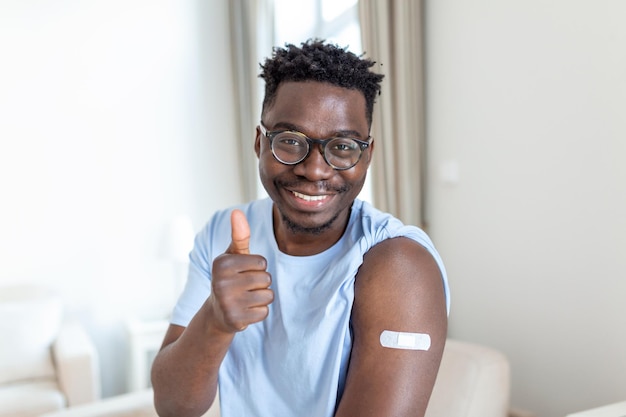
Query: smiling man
{"points": [[310, 302]]}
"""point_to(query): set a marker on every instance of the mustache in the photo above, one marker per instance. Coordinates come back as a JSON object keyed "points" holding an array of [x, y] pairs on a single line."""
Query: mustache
{"points": [[322, 186]]}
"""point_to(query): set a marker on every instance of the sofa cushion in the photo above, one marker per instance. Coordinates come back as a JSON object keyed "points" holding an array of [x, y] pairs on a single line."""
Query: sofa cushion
{"points": [[134, 404], [30, 318], [30, 399]]}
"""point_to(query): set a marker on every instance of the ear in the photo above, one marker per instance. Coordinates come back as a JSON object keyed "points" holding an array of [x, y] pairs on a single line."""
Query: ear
{"points": [[257, 142]]}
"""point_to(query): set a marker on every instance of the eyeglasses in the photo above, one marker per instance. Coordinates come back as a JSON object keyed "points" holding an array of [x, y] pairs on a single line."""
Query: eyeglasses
{"points": [[291, 147]]}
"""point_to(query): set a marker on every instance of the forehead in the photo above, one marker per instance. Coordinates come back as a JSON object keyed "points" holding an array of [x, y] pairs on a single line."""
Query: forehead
{"points": [[318, 104]]}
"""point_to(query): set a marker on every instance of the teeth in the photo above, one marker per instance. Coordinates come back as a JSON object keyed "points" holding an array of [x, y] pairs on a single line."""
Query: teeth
{"points": [[309, 197]]}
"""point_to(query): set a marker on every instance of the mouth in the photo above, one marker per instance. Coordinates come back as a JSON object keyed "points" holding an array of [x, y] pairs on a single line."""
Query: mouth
{"points": [[308, 202], [310, 198], [307, 197]]}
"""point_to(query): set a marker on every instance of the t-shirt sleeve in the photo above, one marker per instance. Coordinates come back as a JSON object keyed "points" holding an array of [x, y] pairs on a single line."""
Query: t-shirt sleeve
{"points": [[379, 226], [198, 286]]}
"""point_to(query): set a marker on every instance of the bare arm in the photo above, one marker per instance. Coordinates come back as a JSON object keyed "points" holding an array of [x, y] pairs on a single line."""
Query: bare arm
{"points": [[184, 372], [398, 288]]}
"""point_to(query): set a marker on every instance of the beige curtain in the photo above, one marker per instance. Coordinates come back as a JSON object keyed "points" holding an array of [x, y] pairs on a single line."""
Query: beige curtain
{"points": [[392, 36], [251, 25]]}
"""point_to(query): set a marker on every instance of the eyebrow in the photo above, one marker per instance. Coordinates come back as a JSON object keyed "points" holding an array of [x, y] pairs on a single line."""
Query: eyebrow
{"points": [[340, 133]]}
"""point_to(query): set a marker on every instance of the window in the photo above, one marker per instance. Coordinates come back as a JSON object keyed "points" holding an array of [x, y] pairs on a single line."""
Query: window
{"points": [[334, 20]]}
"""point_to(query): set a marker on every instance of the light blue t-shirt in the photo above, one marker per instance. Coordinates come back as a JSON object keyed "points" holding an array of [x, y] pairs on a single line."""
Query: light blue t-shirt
{"points": [[293, 363]]}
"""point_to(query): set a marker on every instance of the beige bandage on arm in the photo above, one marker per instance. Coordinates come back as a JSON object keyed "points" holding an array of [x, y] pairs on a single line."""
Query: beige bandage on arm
{"points": [[404, 340]]}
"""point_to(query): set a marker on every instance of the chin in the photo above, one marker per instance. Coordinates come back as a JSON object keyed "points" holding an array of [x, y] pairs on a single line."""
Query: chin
{"points": [[309, 229]]}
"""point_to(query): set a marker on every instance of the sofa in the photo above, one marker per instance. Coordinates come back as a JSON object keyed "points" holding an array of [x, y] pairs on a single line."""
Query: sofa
{"points": [[46, 364], [473, 381], [133, 404]]}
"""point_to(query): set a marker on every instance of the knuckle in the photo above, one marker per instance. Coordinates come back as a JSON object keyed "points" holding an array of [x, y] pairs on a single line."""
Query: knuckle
{"points": [[234, 320], [264, 311]]}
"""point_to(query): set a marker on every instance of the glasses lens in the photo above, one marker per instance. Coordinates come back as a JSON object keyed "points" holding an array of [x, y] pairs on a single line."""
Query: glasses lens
{"points": [[289, 147], [342, 152]]}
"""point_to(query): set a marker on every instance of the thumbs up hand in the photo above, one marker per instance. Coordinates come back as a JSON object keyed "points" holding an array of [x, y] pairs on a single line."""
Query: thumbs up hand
{"points": [[240, 234], [240, 285]]}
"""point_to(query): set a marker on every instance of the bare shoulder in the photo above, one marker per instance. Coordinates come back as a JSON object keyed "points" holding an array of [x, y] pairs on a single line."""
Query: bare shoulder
{"points": [[402, 255], [399, 284], [398, 288]]}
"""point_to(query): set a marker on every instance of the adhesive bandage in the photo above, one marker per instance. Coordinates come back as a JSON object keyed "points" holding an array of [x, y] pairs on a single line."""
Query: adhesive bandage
{"points": [[403, 340]]}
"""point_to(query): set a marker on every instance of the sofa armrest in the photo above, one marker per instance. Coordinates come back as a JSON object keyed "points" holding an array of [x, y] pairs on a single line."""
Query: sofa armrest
{"points": [[76, 359], [133, 404], [473, 381]]}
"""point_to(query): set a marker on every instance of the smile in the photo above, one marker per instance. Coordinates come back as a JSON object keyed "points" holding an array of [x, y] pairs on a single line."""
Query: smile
{"points": [[310, 197]]}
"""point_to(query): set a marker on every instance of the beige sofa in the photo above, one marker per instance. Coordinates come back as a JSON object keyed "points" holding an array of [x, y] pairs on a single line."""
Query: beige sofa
{"points": [[45, 364], [134, 404], [473, 381]]}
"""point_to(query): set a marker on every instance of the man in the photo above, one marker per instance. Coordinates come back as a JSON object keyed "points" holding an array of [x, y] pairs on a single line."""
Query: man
{"points": [[311, 302]]}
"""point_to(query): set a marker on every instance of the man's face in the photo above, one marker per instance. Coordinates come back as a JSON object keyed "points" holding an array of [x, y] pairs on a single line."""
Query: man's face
{"points": [[311, 197]]}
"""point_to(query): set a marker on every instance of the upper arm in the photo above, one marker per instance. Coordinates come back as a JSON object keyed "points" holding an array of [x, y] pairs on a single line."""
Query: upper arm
{"points": [[398, 288]]}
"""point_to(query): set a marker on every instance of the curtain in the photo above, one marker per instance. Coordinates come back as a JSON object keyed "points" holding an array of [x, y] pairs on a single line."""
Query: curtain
{"points": [[251, 24], [392, 36]]}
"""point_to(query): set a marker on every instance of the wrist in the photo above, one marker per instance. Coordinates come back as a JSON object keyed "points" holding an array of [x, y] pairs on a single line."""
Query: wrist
{"points": [[214, 323]]}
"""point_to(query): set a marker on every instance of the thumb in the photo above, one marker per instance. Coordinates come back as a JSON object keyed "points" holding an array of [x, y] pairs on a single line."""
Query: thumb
{"points": [[240, 233]]}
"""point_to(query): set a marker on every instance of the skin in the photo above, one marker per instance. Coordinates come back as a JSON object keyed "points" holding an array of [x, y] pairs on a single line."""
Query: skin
{"points": [[398, 286]]}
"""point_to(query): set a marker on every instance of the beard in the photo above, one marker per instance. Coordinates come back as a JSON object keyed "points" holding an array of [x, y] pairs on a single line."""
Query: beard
{"points": [[296, 228]]}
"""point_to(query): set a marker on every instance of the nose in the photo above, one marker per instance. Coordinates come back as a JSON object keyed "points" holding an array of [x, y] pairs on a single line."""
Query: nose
{"points": [[314, 167]]}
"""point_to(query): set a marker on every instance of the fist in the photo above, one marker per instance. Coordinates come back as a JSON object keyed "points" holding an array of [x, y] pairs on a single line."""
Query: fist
{"points": [[240, 286]]}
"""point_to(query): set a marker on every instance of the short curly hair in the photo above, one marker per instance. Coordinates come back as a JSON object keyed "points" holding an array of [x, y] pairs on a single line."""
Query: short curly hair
{"points": [[318, 61]]}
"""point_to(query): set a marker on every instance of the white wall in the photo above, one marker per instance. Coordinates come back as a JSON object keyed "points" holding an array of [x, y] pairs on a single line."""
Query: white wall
{"points": [[528, 99], [110, 112]]}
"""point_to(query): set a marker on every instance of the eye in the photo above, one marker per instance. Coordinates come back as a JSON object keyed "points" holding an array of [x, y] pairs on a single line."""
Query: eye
{"points": [[289, 140], [343, 145]]}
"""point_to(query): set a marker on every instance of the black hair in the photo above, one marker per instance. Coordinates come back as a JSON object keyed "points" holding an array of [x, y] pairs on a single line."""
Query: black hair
{"points": [[318, 61]]}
